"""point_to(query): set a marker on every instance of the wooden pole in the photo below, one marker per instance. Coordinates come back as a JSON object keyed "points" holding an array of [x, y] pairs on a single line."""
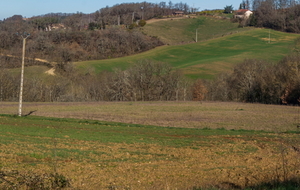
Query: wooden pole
{"points": [[22, 76]]}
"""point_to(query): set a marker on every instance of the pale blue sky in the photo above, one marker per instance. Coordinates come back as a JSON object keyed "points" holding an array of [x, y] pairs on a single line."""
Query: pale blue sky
{"points": [[29, 8]]}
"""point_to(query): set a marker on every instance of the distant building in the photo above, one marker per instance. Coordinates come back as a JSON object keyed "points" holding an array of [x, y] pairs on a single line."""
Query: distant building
{"points": [[178, 13], [243, 13]]}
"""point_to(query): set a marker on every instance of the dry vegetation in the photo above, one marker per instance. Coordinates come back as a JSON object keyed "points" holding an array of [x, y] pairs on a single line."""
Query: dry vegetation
{"points": [[224, 162], [276, 118]]}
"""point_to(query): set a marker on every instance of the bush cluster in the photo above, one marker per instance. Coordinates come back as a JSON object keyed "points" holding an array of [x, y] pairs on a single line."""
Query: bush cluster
{"points": [[16, 180], [210, 12]]}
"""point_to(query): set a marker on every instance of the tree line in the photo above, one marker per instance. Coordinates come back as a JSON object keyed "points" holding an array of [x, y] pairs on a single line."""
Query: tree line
{"points": [[128, 13], [259, 81], [144, 81]]}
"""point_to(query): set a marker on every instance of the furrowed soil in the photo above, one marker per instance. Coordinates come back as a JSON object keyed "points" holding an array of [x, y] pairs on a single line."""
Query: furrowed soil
{"points": [[188, 154], [275, 118]]}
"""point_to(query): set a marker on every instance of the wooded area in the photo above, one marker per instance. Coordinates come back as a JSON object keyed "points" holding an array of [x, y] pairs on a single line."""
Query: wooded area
{"points": [[282, 15], [67, 45], [108, 33]]}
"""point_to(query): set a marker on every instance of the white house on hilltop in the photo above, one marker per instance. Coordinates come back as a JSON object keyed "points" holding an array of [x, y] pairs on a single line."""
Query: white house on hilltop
{"points": [[243, 13]]}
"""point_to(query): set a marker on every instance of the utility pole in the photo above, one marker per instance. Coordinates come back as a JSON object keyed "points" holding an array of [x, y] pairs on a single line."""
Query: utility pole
{"points": [[24, 37], [132, 18], [142, 8]]}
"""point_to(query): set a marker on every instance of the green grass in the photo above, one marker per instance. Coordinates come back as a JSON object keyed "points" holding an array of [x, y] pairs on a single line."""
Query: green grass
{"points": [[39, 132], [70, 135], [208, 58], [175, 31], [105, 132]]}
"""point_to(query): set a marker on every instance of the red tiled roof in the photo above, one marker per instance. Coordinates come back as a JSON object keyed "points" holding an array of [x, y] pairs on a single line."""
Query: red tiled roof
{"points": [[242, 10]]}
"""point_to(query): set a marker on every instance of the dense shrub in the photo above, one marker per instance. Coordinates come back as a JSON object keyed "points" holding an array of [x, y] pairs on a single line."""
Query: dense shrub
{"points": [[16, 180], [142, 23]]}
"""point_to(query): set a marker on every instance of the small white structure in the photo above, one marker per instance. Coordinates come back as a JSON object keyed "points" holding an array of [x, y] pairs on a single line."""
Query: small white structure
{"points": [[243, 13], [248, 14]]}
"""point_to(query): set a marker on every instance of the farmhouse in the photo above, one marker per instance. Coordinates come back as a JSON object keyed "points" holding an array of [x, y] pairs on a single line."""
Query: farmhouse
{"points": [[243, 13], [178, 13]]}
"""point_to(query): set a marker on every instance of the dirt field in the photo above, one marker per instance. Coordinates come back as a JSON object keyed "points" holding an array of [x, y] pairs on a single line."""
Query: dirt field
{"points": [[276, 118], [221, 161], [237, 163]]}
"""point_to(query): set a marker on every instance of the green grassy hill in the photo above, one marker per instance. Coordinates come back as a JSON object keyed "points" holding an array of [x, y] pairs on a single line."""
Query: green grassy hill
{"points": [[221, 44], [207, 58], [174, 31]]}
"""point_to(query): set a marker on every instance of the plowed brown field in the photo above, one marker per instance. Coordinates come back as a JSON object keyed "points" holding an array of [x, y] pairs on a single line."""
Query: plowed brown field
{"points": [[223, 161]]}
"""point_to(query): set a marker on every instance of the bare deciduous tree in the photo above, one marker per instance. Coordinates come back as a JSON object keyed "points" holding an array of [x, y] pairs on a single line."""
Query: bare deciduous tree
{"points": [[199, 91]]}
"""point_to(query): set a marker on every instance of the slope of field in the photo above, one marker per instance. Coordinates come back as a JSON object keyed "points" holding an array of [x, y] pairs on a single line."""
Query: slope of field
{"points": [[106, 155], [208, 58], [182, 30]]}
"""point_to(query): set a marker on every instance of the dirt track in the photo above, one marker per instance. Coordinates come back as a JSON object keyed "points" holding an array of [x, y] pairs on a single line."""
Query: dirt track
{"points": [[164, 19], [50, 71]]}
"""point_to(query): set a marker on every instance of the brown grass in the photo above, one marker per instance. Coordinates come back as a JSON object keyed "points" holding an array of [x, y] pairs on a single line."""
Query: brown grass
{"points": [[173, 114], [223, 160], [242, 162]]}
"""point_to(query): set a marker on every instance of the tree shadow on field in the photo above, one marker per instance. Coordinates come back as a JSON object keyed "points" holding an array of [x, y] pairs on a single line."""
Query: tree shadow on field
{"points": [[292, 184]]}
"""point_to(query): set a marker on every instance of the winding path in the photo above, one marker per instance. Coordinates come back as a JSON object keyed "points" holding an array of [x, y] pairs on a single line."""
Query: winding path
{"points": [[51, 71]]}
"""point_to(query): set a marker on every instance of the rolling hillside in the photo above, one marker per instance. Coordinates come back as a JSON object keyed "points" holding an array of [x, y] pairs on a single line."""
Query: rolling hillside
{"points": [[221, 44], [207, 58], [182, 30]]}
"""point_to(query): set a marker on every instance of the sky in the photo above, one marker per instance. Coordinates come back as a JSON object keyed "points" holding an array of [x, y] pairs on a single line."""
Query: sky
{"points": [[29, 8]]}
